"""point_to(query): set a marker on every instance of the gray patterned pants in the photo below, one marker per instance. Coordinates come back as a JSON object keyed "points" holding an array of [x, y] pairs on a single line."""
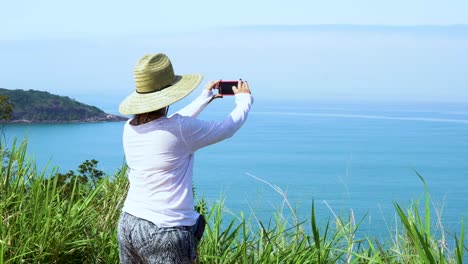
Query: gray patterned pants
{"points": [[141, 241]]}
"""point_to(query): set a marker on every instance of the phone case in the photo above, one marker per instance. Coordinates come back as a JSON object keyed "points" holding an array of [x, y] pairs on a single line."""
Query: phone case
{"points": [[225, 87]]}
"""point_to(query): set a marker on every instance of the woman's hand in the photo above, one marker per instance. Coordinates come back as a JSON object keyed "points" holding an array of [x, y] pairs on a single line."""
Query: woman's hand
{"points": [[213, 85], [242, 87]]}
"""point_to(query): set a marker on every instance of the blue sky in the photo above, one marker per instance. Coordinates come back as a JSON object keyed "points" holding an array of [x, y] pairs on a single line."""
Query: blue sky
{"points": [[396, 50]]}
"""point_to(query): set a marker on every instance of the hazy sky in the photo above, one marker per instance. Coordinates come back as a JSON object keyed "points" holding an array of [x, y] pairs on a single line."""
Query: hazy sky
{"points": [[31, 19], [402, 50]]}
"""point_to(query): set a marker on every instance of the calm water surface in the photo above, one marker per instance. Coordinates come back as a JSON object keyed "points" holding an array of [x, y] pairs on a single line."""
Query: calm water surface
{"points": [[343, 157]]}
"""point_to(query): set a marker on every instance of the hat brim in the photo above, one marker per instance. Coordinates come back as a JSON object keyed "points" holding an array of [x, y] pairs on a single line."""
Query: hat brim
{"points": [[138, 103]]}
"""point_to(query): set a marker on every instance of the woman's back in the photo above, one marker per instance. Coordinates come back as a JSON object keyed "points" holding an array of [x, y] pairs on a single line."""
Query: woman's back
{"points": [[160, 173]]}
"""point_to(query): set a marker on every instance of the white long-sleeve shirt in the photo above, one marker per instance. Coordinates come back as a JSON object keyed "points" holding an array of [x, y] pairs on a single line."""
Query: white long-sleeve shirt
{"points": [[160, 156]]}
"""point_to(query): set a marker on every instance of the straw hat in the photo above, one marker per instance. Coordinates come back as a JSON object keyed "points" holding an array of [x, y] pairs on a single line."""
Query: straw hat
{"points": [[157, 86]]}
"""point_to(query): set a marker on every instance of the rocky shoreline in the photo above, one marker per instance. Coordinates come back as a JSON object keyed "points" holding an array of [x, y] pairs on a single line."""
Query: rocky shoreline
{"points": [[106, 118]]}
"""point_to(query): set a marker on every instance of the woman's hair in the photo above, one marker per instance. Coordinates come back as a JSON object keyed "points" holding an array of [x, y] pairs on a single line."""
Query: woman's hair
{"points": [[143, 118]]}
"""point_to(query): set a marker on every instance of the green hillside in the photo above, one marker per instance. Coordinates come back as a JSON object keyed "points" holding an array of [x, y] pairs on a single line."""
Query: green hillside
{"points": [[43, 107]]}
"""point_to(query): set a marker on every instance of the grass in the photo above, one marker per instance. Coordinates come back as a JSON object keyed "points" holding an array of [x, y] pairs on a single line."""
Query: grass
{"points": [[46, 221]]}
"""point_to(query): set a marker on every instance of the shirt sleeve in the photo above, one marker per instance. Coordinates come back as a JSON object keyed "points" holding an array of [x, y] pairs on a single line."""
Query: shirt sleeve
{"points": [[199, 133], [197, 105]]}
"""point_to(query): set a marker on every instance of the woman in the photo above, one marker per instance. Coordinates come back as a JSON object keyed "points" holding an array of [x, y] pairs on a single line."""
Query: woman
{"points": [[158, 218]]}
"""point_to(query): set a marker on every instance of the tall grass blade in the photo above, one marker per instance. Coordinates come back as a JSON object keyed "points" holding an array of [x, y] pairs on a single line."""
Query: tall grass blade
{"points": [[316, 234], [427, 206], [459, 246]]}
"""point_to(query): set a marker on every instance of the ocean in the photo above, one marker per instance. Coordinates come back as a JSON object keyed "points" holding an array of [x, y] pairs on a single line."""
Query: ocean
{"points": [[341, 156]]}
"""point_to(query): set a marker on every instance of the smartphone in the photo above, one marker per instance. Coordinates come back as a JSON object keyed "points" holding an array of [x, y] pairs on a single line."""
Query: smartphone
{"points": [[225, 87]]}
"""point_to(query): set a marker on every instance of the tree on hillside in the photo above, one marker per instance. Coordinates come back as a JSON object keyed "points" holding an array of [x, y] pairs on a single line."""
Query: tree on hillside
{"points": [[6, 108], [88, 174], [88, 169]]}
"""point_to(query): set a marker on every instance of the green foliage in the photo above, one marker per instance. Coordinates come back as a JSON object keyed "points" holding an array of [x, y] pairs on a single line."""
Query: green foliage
{"points": [[40, 224], [40, 106], [425, 246], [201, 205], [88, 169], [88, 174], [6, 108]]}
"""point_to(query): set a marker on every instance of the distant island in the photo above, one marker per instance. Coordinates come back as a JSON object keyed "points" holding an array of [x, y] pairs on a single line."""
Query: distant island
{"points": [[43, 107]]}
